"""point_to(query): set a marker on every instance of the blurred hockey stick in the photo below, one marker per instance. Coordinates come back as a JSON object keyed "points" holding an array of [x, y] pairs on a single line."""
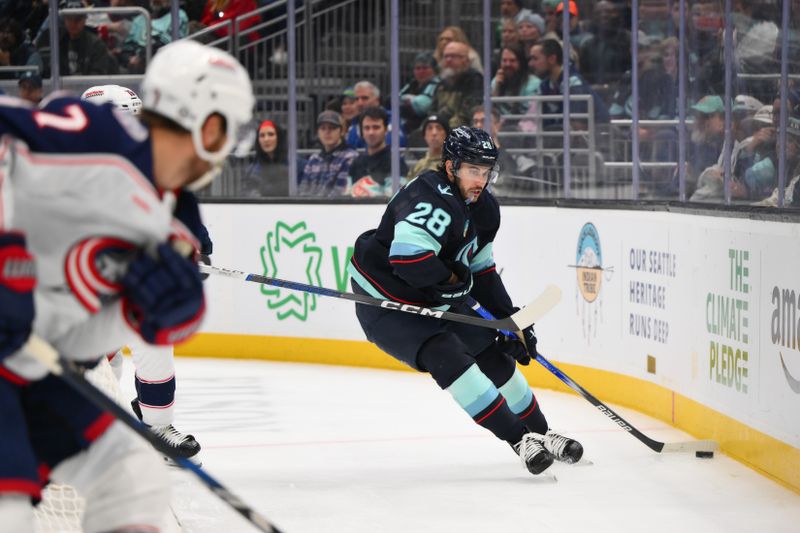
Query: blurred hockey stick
{"points": [[46, 354], [656, 446], [519, 320]]}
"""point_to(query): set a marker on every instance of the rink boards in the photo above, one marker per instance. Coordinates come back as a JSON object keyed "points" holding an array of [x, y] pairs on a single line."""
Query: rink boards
{"points": [[692, 319]]}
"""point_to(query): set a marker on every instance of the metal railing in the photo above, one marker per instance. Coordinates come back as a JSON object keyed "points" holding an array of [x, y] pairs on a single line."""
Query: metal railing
{"points": [[19, 69], [348, 41], [540, 134]]}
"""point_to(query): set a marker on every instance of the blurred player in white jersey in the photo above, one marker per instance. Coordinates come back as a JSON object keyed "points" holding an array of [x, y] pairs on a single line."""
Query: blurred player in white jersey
{"points": [[155, 365], [85, 193]]}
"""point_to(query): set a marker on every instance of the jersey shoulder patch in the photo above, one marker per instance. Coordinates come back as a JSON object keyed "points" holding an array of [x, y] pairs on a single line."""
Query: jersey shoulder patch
{"points": [[93, 268]]}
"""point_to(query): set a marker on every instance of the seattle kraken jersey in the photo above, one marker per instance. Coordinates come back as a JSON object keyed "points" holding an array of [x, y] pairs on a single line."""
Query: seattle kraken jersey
{"points": [[425, 229], [77, 179]]}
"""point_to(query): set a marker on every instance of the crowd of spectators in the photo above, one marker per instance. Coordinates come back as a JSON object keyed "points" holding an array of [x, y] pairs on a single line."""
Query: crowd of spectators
{"points": [[103, 43], [444, 89]]}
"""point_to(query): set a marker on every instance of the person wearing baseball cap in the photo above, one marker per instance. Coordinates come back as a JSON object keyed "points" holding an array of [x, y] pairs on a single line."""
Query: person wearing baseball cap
{"points": [[759, 174], [573, 8], [709, 105], [708, 111], [435, 129], [326, 172], [792, 191], [348, 104], [416, 96], [746, 105], [578, 37], [30, 87]]}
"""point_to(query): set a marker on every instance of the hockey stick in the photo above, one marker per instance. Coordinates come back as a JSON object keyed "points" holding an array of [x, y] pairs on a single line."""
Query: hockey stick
{"points": [[518, 321], [46, 354], [656, 446]]}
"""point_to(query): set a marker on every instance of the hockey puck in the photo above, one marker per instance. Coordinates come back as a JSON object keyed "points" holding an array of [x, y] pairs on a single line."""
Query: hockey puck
{"points": [[704, 455]]}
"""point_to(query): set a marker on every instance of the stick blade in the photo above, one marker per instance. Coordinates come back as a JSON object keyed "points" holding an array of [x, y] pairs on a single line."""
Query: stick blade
{"points": [[690, 446], [539, 307]]}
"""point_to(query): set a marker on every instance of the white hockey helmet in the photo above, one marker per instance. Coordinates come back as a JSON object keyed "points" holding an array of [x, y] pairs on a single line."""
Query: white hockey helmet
{"points": [[187, 82], [122, 97]]}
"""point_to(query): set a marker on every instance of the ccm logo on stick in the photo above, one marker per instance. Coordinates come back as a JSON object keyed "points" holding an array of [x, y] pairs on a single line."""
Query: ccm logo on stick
{"points": [[424, 311]]}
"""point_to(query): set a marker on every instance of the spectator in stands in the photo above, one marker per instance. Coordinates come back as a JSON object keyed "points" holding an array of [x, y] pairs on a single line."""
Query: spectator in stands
{"points": [[133, 50], [114, 29], [605, 54], [326, 172], [368, 95], [657, 87], [705, 45], [268, 175], [508, 37], [435, 130], [348, 105], [546, 62], [82, 52], [792, 192], [508, 34], [756, 40], [218, 11], [658, 100], [654, 18], [710, 182], [511, 10], [550, 20], [455, 34], [505, 183], [16, 50], [668, 53], [30, 87], [707, 137], [416, 96], [513, 79], [461, 88], [759, 176], [371, 172], [530, 28], [577, 36], [762, 176]]}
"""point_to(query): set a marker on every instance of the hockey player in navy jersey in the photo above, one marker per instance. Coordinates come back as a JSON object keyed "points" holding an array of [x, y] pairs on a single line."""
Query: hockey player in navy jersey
{"points": [[433, 247], [91, 189], [155, 365]]}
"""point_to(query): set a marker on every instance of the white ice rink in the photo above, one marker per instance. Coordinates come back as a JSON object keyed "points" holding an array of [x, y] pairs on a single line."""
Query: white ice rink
{"points": [[332, 449]]}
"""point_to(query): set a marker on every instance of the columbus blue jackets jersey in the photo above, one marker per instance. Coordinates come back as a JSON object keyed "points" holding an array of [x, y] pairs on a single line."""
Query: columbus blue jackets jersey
{"points": [[426, 228], [77, 179]]}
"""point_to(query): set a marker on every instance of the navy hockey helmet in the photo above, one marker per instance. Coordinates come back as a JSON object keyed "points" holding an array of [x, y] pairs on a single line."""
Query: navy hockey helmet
{"points": [[469, 145]]}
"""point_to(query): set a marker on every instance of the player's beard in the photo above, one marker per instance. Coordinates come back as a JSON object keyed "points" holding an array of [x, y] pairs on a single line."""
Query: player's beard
{"points": [[473, 194], [470, 195]]}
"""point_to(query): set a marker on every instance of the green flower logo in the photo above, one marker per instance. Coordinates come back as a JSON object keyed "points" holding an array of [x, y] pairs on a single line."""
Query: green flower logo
{"points": [[291, 249]]}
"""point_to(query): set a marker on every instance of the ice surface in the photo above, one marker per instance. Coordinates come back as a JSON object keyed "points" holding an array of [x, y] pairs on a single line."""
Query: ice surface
{"points": [[320, 448]]}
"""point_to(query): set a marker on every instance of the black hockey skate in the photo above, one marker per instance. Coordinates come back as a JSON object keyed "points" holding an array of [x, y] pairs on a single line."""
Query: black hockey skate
{"points": [[562, 448], [533, 454], [182, 445]]}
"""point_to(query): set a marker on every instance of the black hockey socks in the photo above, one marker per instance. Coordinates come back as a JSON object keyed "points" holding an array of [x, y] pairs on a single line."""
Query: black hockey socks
{"points": [[522, 401], [478, 396], [455, 371], [502, 370]]}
